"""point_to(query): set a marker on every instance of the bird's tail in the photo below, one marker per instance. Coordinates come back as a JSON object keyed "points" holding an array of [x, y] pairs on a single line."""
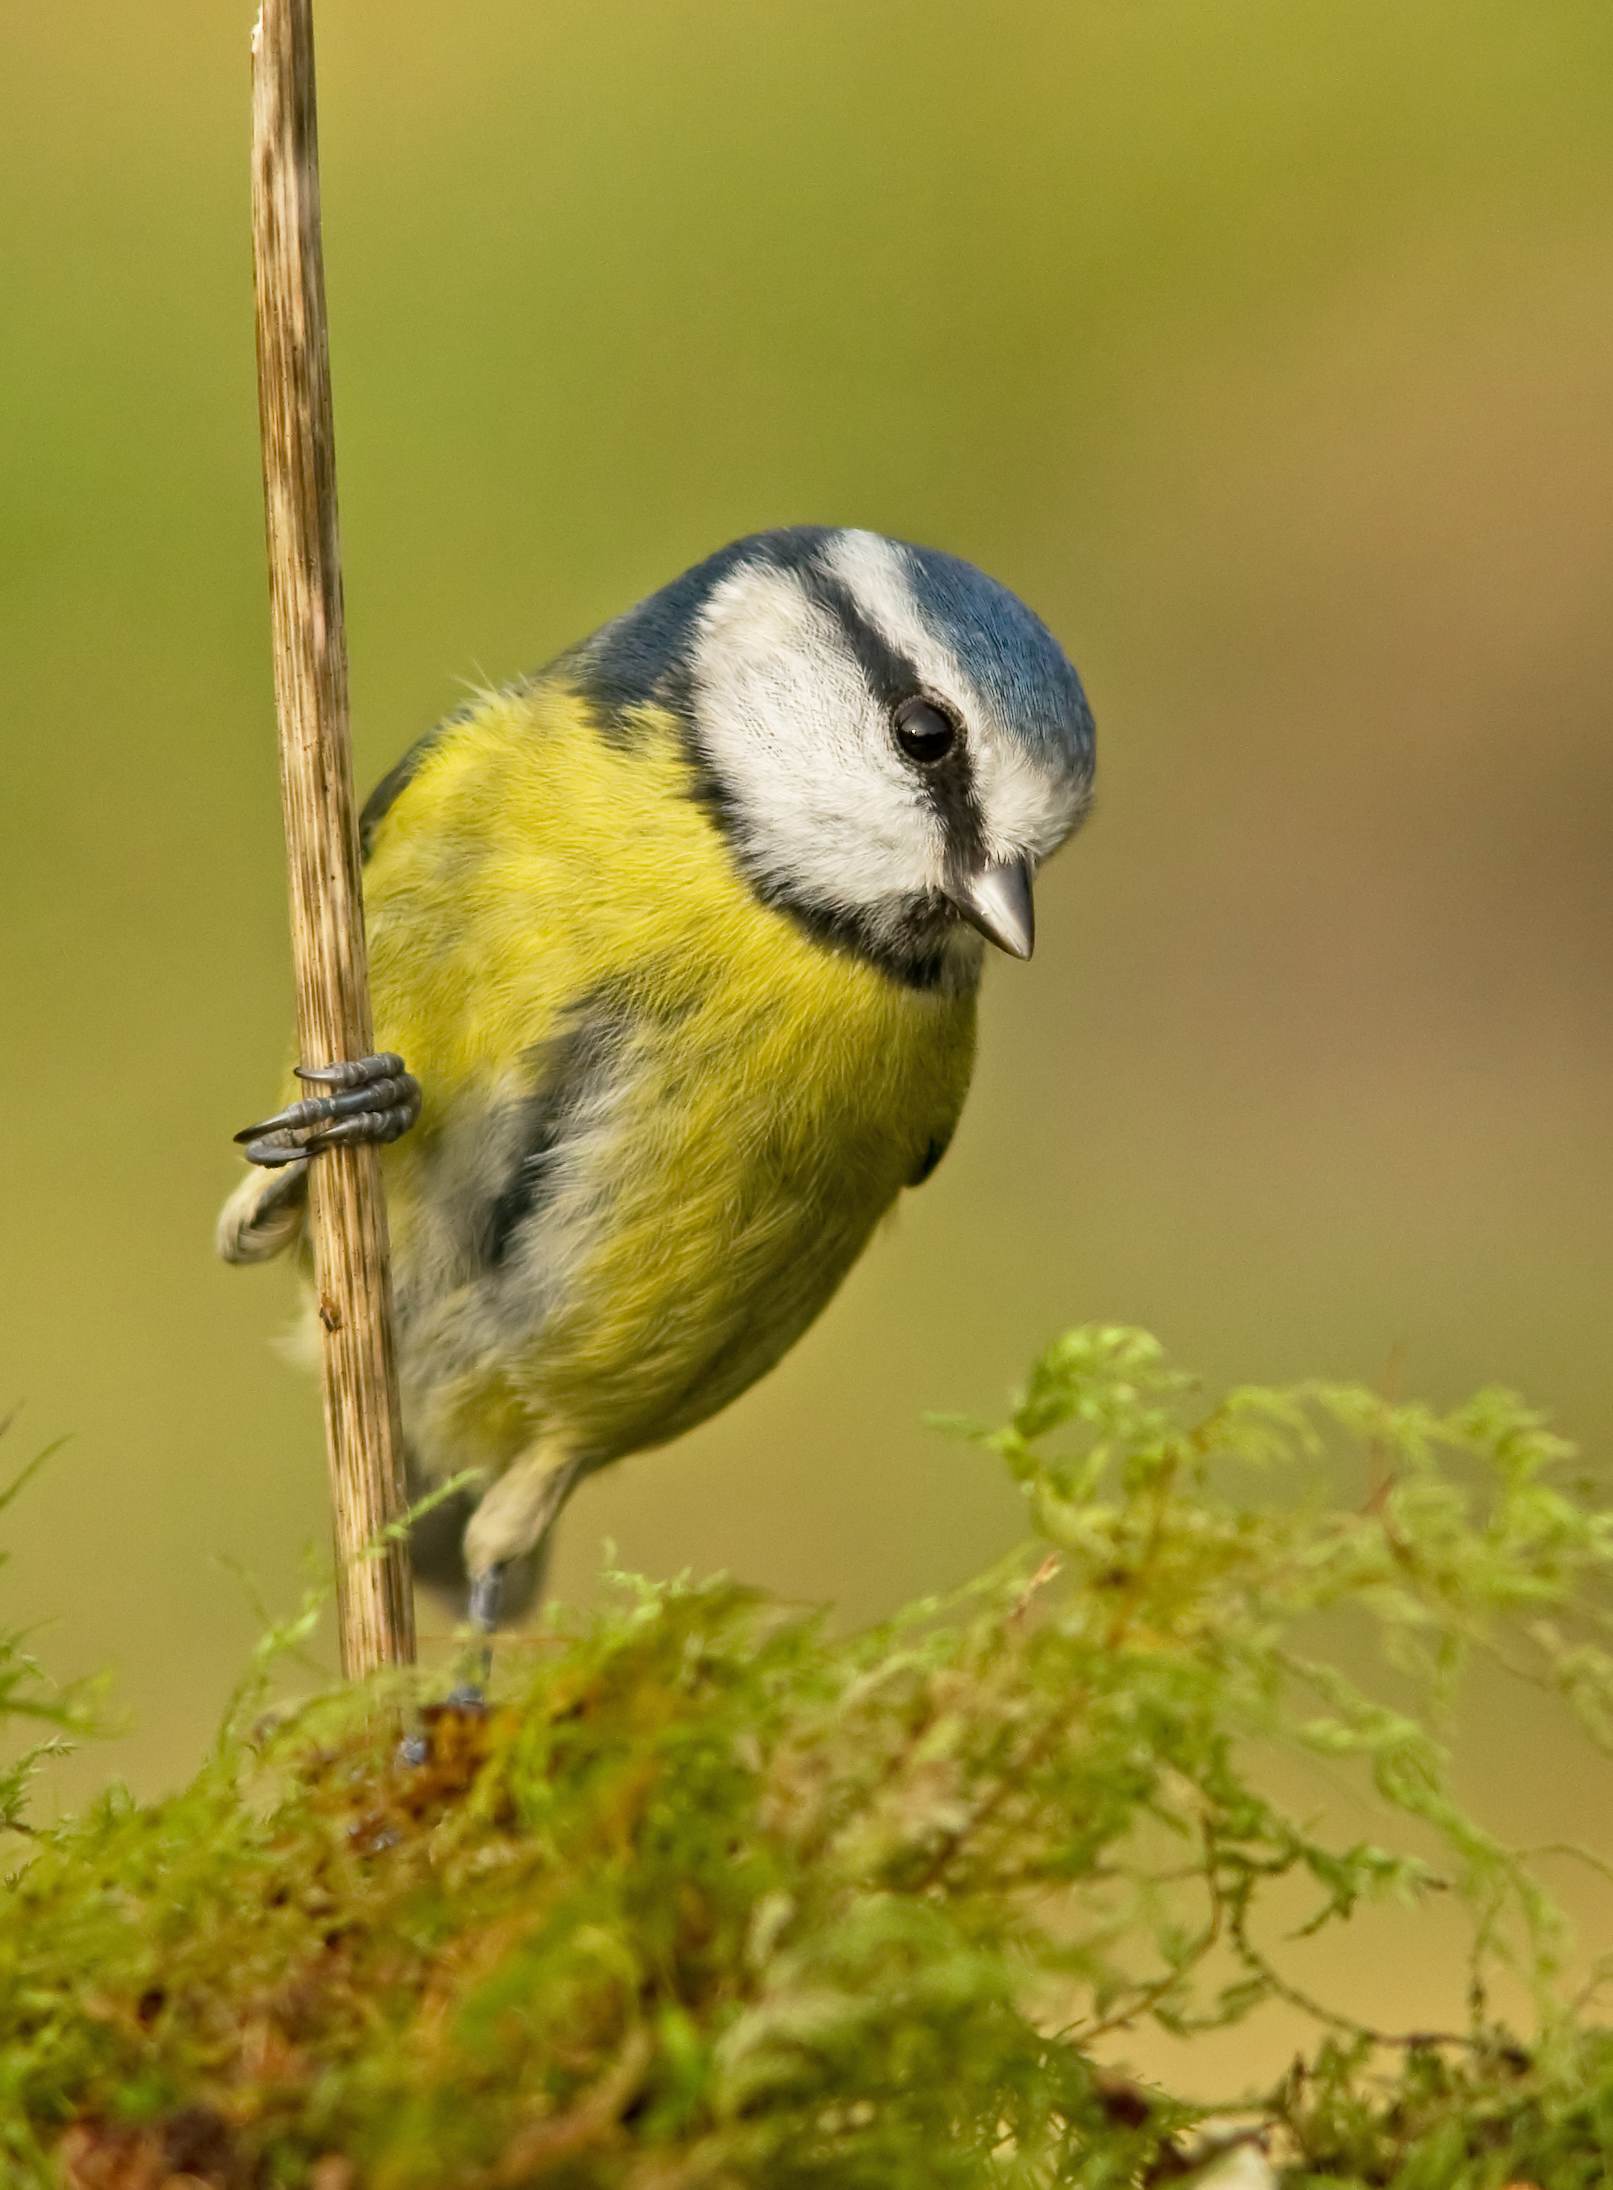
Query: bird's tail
{"points": [[265, 1215]]}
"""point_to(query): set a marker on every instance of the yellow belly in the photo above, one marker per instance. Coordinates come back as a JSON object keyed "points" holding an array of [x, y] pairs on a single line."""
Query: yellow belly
{"points": [[759, 1152], [767, 1099]]}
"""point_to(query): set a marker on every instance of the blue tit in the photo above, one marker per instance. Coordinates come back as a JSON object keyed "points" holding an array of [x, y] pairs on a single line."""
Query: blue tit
{"points": [[674, 950]]}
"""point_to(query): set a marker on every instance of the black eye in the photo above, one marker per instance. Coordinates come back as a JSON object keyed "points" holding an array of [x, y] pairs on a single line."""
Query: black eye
{"points": [[923, 732]]}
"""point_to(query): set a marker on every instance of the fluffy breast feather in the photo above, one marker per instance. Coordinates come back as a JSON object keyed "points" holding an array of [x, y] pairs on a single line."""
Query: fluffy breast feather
{"points": [[690, 1112]]}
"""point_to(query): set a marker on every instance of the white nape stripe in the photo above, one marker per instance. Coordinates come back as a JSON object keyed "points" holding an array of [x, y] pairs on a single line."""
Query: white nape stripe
{"points": [[877, 572]]}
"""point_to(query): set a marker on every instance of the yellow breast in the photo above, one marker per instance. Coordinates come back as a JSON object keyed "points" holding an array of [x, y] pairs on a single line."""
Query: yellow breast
{"points": [[762, 1099]]}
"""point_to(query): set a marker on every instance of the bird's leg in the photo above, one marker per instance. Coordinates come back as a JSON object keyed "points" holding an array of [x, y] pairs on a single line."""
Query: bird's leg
{"points": [[482, 1610], [486, 1600], [509, 1527], [512, 1522], [371, 1099], [470, 1692]]}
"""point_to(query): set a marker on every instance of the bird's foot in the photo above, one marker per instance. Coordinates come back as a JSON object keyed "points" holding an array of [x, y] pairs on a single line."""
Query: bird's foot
{"points": [[373, 1099], [451, 1737], [469, 1693], [481, 1613]]}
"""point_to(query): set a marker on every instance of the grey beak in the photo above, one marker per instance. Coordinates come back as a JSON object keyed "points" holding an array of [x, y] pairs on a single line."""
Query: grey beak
{"points": [[998, 902]]}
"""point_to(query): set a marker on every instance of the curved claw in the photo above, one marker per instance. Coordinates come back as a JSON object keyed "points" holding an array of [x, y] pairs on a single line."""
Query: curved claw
{"points": [[273, 1151], [379, 1126], [378, 1102], [383, 1096], [355, 1071]]}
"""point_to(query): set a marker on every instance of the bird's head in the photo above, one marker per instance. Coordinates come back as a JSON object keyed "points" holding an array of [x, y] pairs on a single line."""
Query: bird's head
{"points": [[891, 741]]}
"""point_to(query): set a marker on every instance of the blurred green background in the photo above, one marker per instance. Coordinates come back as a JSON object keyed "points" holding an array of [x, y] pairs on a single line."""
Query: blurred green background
{"points": [[1267, 348]]}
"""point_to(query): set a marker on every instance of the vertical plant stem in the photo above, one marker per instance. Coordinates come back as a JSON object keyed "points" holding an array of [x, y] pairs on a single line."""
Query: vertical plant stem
{"points": [[347, 1213]]}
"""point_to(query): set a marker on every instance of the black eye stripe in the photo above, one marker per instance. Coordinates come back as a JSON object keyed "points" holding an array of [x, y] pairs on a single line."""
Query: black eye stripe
{"points": [[889, 675], [947, 783]]}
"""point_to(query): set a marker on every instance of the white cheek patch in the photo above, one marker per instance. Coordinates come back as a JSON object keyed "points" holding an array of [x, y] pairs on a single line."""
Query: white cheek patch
{"points": [[824, 808], [1027, 808]]}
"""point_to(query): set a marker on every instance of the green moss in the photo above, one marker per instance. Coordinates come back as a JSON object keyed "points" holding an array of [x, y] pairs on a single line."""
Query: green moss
{"points": [[710, 1896]]}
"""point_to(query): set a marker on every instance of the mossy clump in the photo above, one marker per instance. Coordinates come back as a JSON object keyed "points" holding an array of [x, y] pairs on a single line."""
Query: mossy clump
{"points": [[711, 1896]]}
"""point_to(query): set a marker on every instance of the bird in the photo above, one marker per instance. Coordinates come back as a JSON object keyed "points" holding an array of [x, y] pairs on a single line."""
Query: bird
{"points": [[675, 946]]}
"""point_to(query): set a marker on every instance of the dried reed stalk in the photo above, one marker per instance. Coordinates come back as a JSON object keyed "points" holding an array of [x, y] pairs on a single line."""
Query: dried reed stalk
{"points": [[347, 1213]]}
